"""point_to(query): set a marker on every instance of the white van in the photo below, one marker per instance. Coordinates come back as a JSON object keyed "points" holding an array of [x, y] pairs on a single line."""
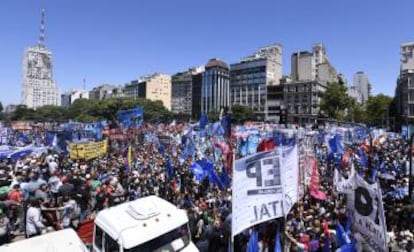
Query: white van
{"points": [[144, 225], [60, 241]]}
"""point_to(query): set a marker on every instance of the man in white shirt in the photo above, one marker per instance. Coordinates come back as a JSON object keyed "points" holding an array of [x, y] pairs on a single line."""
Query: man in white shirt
{"points": [[34, 223]]}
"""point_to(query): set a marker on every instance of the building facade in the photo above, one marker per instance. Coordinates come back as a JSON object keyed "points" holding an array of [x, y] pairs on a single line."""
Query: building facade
{"points": [[39, 88], [362, 85], [155, 87], [407, 56], [70, 97], [354, 93], [250, 78], [105, 91], [131, 89], [404, 93], [215, 89], [302, 100], [182, 91], [313, 66]]}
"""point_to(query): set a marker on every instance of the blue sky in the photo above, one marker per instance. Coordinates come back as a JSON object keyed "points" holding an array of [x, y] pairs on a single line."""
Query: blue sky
{"points": [[118, 41]]}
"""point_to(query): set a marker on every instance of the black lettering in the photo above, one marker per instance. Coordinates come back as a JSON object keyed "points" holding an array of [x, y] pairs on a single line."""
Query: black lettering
{"points": [[256, 174], [274, 207], [255, 215], [363, 201], [264, 211]]}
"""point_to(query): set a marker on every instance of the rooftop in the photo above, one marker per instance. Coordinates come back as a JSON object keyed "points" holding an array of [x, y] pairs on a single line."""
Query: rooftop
{"points": [[141, 220], [216, 63]]}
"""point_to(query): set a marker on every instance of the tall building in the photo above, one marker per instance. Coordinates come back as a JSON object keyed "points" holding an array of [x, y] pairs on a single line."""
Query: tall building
{"points": [[354, 93], [155, 87], [215, 89], [39, 88], [302, 99], [311, 73], [250, 78], [69, 98], [313, 66], [362, 85], [404, 92], [407, 57], [184, 86]]}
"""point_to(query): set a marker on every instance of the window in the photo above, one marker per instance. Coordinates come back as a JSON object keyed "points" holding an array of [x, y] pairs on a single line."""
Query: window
{"points": [[110, 244], [172, 241], [98, 237]]}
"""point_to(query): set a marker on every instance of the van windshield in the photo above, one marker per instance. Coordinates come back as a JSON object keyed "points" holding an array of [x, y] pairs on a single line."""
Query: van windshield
{"points": [[173, 241]]}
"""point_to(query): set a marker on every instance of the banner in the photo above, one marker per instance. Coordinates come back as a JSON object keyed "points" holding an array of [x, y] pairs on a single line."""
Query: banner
{"points": [[290, 175], [367, 213], [265, 185], [257, 190], [88, 150], [20, 125]]}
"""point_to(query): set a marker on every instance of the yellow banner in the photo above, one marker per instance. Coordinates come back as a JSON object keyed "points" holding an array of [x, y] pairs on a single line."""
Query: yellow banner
{"points": [[88, 151]]}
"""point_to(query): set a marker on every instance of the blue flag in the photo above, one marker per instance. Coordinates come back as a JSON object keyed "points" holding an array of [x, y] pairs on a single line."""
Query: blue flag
{"points": [[226, 124], [253, 245], [198, 171], [224, 177], [129, 117], [170, 169], [278, 246], [203, 121]]}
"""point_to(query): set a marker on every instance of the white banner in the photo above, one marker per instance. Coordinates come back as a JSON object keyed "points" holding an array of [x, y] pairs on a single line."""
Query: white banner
{"points": [[265, 187], [257, 190], [367, 213], [343, 185], [290, 176]]}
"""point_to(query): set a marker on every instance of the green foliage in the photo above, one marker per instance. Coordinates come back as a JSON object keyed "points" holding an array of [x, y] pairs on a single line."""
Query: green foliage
{"points": [[377, 109], [335, 101], [356, 112], [240, 113], [91, 110]]}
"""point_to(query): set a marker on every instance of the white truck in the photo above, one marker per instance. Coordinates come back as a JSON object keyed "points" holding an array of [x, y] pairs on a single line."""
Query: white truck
{"points": [[62, 241], [144, 225]]}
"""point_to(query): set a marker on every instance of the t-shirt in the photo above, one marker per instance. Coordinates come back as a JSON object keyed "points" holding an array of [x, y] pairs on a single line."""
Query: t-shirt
{"points": [[15, 195]]}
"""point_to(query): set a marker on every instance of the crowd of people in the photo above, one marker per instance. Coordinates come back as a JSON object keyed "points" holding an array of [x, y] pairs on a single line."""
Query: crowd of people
{"points": [[40, 193]]}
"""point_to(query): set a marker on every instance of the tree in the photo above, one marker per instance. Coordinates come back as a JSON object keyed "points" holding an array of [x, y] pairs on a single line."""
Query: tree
{"points": [[335, 101], [241, 113], [1, 107], [377, 109], [356, 112]]}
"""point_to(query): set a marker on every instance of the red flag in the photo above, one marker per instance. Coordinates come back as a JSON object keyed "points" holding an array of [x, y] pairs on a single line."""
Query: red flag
{"points": [[266, 145], [315, 183]]}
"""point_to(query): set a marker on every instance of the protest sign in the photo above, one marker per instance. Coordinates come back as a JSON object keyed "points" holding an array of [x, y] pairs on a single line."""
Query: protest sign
{"points": [[367, 213], [88, 150], [257, 190], [265, 186]]}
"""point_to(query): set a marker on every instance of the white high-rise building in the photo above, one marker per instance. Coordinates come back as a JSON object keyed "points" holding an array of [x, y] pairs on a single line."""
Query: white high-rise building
{"points": [[39, 88], [313, 66], [362, 85]]}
